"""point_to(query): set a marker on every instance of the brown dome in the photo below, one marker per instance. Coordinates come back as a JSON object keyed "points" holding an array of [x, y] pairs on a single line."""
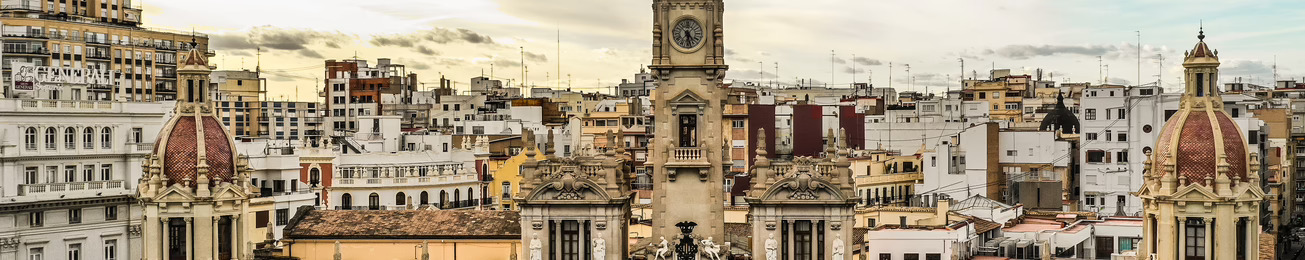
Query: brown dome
{"points": [[1195, 149], [180, 143]]}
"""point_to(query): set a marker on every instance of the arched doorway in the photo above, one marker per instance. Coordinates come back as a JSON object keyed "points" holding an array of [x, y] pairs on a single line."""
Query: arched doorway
{"points": [[374, 201], [346, 202], [425, 198]]}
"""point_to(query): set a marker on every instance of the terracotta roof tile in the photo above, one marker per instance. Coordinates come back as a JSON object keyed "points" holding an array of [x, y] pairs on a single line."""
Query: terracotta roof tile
{"points": [[1196, 148], [180, 157], [406, 224], [218, 146]]}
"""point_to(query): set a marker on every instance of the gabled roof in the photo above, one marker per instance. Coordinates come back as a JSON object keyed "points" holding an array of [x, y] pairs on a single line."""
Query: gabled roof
{"points": [[405, 224], [977, 201]]}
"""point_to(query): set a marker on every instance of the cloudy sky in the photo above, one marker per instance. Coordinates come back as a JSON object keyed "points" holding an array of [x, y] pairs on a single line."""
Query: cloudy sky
{"points": [[603, 41]]}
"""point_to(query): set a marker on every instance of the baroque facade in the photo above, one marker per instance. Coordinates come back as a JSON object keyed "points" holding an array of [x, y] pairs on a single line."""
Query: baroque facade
{"points": [[805, 207], [574, 207], [1202, 182]]}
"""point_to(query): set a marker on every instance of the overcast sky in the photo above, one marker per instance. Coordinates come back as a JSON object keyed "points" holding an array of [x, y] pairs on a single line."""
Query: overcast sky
{"points": [[604, 41]]}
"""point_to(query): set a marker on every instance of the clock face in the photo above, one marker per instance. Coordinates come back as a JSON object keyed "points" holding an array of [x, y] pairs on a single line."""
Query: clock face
{"points": [[687, 33]]}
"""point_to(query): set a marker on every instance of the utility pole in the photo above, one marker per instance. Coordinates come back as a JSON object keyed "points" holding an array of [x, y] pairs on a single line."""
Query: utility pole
{"points": [[775, 82], [1159, 78], [854, 70]]}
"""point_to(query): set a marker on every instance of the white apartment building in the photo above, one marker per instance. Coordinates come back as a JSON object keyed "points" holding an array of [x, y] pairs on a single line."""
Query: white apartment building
{"points": [[1119, 125], [405, 180], [277, 177], [68, 173]]}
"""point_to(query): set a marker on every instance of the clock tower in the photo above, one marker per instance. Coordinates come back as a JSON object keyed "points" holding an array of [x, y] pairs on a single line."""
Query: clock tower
{"points": [[689, 155]]}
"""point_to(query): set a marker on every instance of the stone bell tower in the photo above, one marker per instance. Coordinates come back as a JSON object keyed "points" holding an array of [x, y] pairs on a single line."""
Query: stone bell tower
{"points": [[689, 155]]}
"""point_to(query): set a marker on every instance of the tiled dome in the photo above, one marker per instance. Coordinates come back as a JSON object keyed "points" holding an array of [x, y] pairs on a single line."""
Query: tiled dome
{"points": [[180, 142], [1201, 133], [1195, 148]]}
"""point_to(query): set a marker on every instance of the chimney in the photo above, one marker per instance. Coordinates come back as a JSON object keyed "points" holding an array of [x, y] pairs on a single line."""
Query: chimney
{"points": [[943, 206]]}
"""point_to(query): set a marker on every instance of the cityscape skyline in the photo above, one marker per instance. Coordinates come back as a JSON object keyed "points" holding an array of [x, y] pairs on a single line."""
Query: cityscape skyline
{"points": [[599, 49]]}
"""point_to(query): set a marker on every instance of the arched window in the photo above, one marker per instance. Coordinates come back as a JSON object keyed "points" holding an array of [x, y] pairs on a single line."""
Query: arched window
{"points": [[30, 138], [374, 201], [425, 198], [471, 197], [88, 138], [457, 198], [346, 202], [50, 138], [106, 138], [70, 138], [444, 199], [400, 200], [314, 176]]}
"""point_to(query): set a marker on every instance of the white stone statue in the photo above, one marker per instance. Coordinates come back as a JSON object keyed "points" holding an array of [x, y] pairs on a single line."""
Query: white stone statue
{"points": [[662, 249], [711, 249], [772, 248], [536, 248], [838, 246], [600, 248]]}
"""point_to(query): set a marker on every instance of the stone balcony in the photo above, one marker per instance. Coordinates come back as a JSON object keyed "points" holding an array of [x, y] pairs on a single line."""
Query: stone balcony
{"points": [[341, 182], [33, 189], [688, 157]]}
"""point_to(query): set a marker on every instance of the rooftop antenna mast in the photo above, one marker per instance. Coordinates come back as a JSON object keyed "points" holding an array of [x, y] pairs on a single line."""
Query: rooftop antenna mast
{"points": [[559, 57], [1139, 58], [1101, 78], [854, 70], [832, 59]]}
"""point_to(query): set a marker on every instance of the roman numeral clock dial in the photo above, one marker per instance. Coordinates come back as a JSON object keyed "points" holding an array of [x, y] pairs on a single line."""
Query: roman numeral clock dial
{"points": [[687, 33]]}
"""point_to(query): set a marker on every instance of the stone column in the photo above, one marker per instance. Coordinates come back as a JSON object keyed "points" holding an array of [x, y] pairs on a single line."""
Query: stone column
{"points": [[167, 237], [190, 242], [1209, 237], [214, 242], [1180, 241], [237, 232]]}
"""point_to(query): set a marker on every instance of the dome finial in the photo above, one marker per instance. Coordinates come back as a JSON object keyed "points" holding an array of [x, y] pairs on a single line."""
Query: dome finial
{"points": [[1201, 34]]}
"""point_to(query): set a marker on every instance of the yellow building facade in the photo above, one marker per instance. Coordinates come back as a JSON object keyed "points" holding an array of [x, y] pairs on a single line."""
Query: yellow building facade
{"points": [[507, 179]]}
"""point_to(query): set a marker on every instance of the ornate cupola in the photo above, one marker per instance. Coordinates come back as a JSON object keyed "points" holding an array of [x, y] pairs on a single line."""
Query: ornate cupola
{"points": [[194, 149], [1201, 182], [195, 193]]}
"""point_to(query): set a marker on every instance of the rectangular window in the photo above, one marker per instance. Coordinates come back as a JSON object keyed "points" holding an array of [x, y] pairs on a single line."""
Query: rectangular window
{"points": [[1123, 137], [260, 219], [570, 240], [1121, 156], [75, 251], [1090, 114], [36, 219], [1090, 200], [1195, 238], [1253, 137], [31, 176], [1123, 113], [911, 256], [738, 123], [88, 172], [110, 249], [1108, 134], [106, 172], [802, 240], [74, 216], [111, 213], [1096, 156], [282, 216]]}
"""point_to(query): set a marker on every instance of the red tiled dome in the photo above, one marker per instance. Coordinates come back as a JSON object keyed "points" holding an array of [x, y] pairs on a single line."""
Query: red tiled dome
{"points": [[1195, 152], [180, 150]]}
